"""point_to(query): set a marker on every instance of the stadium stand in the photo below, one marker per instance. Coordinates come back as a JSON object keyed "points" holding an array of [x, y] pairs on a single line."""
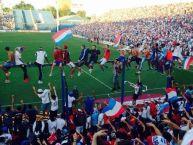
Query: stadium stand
{"points": [[140, 24], [19, 20], [28, 19], [145, 12], [33, 20], [6, 20], [36, 16]]}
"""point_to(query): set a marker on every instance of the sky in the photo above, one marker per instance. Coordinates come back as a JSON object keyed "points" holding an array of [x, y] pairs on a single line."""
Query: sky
{"points": [[97, 7]]}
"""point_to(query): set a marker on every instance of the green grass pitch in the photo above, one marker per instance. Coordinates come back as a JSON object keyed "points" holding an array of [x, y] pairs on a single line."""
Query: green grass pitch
{"points": [[99, 81]]}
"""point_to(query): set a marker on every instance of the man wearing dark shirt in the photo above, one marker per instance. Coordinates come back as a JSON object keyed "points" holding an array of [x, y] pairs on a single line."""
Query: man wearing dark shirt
{"points": [[82, 59], [94, 53]]}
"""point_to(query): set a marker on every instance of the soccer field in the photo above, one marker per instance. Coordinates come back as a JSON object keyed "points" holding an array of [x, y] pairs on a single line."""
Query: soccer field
{"points": [[99, 81]]}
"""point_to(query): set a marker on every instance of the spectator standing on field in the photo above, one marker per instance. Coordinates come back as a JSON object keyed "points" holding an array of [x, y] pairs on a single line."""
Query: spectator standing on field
{"points": [[41, 55]]}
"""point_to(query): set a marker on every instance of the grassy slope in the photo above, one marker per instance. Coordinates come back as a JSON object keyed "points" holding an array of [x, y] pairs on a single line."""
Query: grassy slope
{"points": [[85, 83]]}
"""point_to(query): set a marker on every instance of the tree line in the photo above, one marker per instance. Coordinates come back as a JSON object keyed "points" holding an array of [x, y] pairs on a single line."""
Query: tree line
{"points": [[64, 9]]}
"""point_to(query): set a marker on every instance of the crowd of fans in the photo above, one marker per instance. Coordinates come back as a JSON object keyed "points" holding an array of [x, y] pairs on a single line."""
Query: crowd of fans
{"points": [[117, 15], [162, 28], [7, 21]]}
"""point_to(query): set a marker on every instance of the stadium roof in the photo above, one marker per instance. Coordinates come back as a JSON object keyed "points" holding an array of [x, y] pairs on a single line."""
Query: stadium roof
{"points": [[71, 18]]}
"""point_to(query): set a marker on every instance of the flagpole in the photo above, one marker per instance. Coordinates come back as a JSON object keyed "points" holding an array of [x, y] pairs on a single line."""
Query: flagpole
{"points": [[57, 15], [123, 83], [63, 92]]}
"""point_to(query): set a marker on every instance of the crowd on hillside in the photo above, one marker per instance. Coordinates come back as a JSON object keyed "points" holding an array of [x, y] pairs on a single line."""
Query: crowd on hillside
{"points": [[117, 15], [150, 30]]}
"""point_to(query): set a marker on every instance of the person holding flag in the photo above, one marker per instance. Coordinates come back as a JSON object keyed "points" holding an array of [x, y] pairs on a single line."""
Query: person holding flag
{"points": [[41, 55]]}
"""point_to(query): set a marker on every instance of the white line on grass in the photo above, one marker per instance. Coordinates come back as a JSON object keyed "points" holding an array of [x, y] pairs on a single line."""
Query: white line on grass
{"points": [[97, 79]]}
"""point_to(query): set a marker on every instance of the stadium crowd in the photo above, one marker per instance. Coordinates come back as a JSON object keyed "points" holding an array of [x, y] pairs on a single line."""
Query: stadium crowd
{"points": [[175, 24], [117, 15], [7, 21], [164, 121], [167, 29], [144, 124]]}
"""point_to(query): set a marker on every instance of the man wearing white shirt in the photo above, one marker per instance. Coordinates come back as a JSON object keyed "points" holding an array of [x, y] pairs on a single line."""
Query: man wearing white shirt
{"points": [[41, 55], [72, 99], [52, 125], [177, 53], [19, 62], [88, 122], [44, 95], [54, 101], [60, 123]]}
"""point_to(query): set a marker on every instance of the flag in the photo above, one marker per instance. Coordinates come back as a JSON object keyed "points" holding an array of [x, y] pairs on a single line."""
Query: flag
{"points": [[187, 62], [187, 139], [117, 40], [164, 108], [62, 36], [114, 109], [172, 94]]}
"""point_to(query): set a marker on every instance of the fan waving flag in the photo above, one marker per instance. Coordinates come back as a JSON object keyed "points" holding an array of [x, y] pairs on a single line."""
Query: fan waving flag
{"points": [[114, 109], [187, 62], [117, 40], [62, 36], [172, 94]]}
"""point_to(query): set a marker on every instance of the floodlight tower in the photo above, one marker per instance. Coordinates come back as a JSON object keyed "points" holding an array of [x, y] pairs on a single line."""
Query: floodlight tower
{"points": [[57, 15], [0, 6]]}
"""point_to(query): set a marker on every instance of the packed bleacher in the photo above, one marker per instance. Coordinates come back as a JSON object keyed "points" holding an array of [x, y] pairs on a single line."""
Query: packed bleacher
{"points": [[167, 26], [6, 21], [117, 15]]}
